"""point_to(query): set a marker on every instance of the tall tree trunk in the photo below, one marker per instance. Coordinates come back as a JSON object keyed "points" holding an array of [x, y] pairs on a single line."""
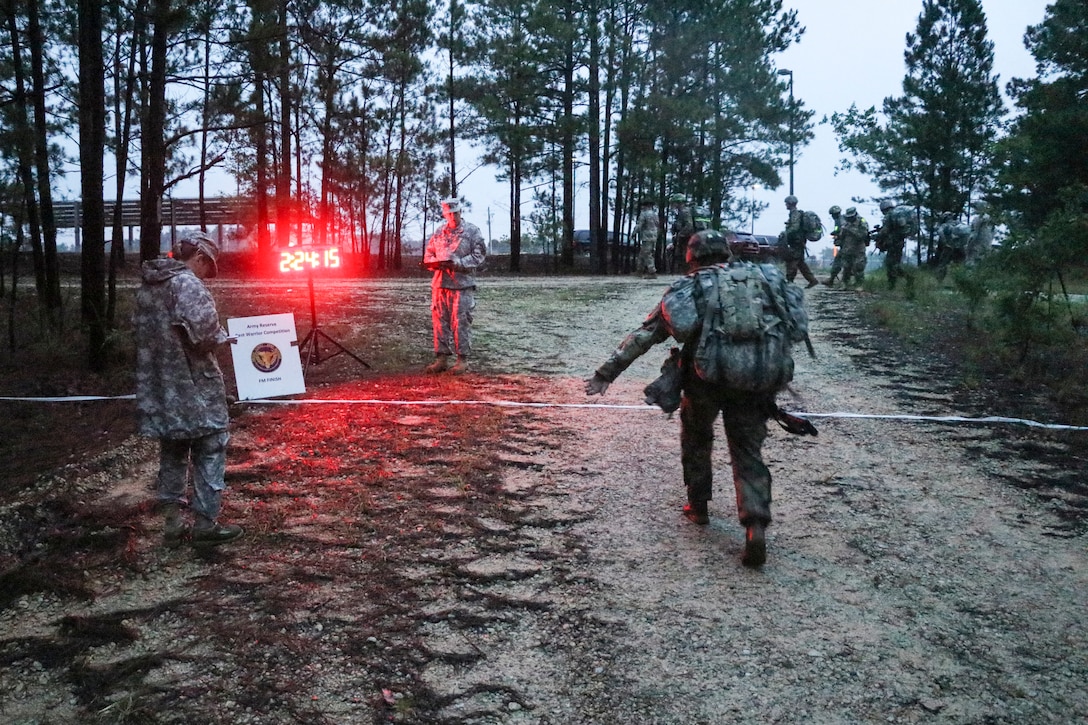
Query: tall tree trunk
{"points": [[568, 151], [616, 82], [328, 91], [25, 154], [206, 91], [596, 223], [283, 169], [92, 146], [454, 21], [260, 133], [258, 56], [515, 214], [124, 91], [41, 157], [153, 160], [401, 172]]}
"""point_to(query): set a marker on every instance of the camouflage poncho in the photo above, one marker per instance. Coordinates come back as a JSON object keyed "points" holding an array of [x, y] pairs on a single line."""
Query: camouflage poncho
{"points": [[179, 387]]}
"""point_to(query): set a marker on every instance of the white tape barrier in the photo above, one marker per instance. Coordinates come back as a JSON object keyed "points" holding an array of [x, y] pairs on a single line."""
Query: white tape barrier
{"points": [[523, 404], [71, 398]]}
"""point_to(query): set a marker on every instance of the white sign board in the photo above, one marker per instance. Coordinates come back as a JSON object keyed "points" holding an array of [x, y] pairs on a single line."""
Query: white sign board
{"points": [[266, 358]]}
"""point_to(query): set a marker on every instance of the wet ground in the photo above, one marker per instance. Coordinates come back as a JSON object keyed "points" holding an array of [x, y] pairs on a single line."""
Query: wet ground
{"points": [[519, 556]]}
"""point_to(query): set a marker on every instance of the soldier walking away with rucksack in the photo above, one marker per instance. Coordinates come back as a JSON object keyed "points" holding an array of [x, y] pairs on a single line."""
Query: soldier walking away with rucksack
{"points": [[683, 226], [891, 237], [737, 323], [953, 236], [794, 238], [647, 227]]}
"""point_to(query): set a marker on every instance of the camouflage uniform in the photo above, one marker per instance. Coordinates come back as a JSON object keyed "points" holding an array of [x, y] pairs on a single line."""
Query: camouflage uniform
{"points": [[683, 226], [982, 234], [180, 395], [794, 240], [454, 253], [744, 414], [891, 239], [836, 263], [647, 228], [853, 239], [953, 237]]}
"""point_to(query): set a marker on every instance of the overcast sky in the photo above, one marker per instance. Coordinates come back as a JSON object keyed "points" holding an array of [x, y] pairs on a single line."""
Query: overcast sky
{"points": [[851, 52]]}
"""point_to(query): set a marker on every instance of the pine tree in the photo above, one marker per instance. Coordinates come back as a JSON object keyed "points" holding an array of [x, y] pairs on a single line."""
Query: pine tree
{"points": [[1044, 157], [932, 145]]}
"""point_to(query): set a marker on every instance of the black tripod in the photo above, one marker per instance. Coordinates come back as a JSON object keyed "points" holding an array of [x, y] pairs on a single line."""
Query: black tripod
{"points": [[309, 349]]}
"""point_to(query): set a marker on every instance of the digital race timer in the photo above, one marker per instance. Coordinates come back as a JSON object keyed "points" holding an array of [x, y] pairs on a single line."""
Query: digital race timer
{"points": [[309, 259]]}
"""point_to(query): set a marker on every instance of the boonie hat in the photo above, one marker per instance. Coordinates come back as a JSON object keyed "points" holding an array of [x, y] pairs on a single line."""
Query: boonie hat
{"points": [[852, 212]]}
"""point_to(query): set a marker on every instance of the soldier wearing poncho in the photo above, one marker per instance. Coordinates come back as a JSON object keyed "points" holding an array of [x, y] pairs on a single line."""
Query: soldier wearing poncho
{"points": [[680, 315], [180, 393]]}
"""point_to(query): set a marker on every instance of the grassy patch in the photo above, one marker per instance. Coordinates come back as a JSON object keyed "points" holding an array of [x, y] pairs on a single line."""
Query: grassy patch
{"points": [[995, 329]]}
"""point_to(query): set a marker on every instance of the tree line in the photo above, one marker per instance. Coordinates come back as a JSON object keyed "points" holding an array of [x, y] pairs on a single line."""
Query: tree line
{"points": [[947, 140], [345, 116]]}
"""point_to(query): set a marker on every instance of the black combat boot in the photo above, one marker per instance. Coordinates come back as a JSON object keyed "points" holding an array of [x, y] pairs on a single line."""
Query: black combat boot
{"points": [[209, 533], [441, 362], [175, 528], [755, 545], [696, 512]]}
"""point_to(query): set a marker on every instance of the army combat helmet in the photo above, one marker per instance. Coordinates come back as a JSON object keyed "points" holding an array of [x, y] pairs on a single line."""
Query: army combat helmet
{"points": [[708, 246]]}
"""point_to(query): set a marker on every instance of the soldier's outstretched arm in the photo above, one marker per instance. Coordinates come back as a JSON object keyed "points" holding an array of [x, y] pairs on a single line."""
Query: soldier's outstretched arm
{"points": [[653, 331]]}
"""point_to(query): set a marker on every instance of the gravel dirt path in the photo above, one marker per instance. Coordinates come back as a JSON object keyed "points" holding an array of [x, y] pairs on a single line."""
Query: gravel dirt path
{"points": [[529, 564]]}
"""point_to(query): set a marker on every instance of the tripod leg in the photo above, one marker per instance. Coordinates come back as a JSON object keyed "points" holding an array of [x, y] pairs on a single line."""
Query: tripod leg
{"points": [[308, 348], [344, 349]]}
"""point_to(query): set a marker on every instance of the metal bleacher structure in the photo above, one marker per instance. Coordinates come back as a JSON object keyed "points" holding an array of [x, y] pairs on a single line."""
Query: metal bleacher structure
{"points": [[214, 214]]}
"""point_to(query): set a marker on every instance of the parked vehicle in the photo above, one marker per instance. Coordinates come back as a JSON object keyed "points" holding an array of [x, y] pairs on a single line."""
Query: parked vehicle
{"points": [[581, 240], [754, 247]]}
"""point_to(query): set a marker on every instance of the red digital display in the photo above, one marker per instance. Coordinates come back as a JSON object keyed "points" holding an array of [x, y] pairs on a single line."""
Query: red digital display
{"points": [[309, 259]]}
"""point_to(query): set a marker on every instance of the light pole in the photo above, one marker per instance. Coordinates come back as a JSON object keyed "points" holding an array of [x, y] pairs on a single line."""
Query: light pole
{"points": [[786, 72]]}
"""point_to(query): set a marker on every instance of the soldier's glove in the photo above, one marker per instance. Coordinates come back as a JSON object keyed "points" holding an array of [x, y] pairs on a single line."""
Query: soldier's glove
{"points": [[794, 423], [596, 385]]}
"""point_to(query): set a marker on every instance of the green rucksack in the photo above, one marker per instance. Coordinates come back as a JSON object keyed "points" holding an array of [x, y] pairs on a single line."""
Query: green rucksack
{"points": [[906, 223], [811, 226], [748, 328]]}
